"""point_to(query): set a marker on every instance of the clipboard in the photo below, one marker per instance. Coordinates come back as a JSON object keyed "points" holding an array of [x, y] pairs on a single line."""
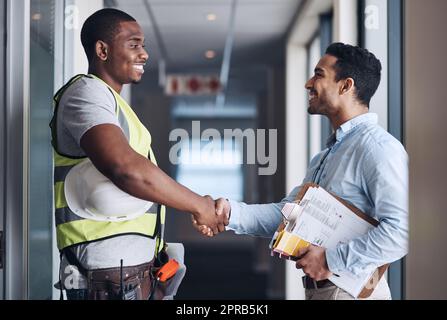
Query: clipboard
{"points": [[285, 244]]}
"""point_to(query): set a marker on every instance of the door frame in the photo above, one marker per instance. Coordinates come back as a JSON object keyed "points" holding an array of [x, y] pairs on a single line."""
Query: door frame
{"points": [[2, 141], [395, 113], [16, 166], [396, 271]]}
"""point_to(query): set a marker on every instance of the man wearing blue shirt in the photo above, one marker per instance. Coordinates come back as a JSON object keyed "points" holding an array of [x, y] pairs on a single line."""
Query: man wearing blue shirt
{"points": [[363, 164]]}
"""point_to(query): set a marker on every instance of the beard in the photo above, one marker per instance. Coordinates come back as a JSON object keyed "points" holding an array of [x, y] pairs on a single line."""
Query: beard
{"points": [[314, 108], [318, 107], [311, 110]]}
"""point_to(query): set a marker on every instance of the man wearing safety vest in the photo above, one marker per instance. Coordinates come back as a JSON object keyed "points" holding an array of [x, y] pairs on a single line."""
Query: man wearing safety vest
{"points": [[109, 192]]}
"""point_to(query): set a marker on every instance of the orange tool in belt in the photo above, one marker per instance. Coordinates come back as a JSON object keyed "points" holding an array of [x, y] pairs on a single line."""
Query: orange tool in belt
{"points": [[168, 270]]}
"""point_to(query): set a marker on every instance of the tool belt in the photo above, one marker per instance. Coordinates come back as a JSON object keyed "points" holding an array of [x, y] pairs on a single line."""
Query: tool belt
{"points": [[126, 283], [159, 288]]}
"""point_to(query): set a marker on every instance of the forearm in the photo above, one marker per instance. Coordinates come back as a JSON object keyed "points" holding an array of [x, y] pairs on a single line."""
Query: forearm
{"points": [[386, 183], [142, 179], [384, 244], [110, 152], [258, 219]]}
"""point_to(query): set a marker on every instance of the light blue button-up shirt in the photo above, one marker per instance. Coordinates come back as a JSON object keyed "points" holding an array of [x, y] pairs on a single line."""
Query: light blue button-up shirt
{"points": [[366, 166]]}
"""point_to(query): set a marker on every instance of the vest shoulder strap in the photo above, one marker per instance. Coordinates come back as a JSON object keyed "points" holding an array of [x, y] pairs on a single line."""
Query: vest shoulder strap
{"points": [[53, 122]]}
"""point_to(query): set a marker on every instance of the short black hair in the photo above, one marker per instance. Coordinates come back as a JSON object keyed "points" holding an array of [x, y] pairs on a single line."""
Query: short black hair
{"points": [[102, 25], [359, 64]]}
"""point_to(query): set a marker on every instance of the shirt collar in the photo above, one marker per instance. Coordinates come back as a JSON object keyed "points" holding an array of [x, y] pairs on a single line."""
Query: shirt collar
{"points": [[348, 126]]}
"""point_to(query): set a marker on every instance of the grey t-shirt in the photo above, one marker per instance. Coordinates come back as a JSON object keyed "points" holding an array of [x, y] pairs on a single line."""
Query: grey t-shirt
{"points": [[85, 104]]}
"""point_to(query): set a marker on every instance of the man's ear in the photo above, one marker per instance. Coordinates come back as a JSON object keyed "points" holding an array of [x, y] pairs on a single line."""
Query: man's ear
{"points": [[347, 85], [101, 50]]}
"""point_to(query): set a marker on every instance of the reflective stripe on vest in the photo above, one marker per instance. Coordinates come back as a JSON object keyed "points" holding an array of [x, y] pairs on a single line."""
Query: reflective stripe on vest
{"points": [[72, 229]]}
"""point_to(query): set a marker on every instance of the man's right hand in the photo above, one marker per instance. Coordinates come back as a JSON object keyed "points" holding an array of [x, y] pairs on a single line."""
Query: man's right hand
{"points": [[222, 211], [207, 218], [223, 208]]}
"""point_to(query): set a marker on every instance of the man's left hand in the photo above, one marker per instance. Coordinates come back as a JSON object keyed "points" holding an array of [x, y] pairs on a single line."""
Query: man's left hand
{"points": [[313, 262]]}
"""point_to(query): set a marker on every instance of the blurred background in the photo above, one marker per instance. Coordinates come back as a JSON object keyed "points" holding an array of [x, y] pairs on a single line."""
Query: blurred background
{"points": [[230, 64]]}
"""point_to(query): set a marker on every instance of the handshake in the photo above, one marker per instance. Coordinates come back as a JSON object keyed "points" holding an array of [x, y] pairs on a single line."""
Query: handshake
{"points": [[212, 218]]}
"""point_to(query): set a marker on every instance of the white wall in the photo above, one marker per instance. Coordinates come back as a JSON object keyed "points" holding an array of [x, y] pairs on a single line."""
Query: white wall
{"points": [[296, 114], [345, 22], [376, 40], [70, 60], [126, 93], [307, 23], [296, 144], [425, 121], [76, 12]]}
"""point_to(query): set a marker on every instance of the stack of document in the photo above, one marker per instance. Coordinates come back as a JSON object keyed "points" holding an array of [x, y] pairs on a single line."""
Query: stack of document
{"points": [[322, 219]]}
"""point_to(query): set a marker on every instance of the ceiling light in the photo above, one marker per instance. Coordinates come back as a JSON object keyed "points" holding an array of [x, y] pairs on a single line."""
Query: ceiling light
{"points": [[210, 54], [211, 17], [36, 16]]}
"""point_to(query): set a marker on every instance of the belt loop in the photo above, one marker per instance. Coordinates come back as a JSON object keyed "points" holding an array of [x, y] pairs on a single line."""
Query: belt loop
{"points": [[315, 284]]}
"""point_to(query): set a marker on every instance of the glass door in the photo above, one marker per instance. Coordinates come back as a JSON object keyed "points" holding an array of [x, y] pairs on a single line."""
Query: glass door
{"points": [[42, 48]]}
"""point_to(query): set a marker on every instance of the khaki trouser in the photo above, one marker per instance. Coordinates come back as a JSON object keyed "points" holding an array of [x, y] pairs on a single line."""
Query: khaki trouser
{"points": [[382, 292]]}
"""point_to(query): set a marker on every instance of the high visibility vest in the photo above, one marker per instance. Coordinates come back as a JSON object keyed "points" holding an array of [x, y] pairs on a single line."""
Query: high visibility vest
{"points": [[72, 229]]}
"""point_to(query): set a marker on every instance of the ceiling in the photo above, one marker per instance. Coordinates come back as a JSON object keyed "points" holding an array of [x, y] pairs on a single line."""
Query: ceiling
{"points": [[186, 34]]}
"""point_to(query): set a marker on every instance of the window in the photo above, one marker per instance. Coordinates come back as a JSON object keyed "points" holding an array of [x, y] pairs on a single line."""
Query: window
{"points": [[319, 127], [314, 121], [212, 171]]}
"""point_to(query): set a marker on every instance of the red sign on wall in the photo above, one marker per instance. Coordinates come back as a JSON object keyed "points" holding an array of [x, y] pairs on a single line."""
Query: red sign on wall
{"points": [[192, 85]]}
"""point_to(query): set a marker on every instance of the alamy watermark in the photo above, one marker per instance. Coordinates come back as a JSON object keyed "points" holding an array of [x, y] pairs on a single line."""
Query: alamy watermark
{"points": [[209, 146], [372, 17], [71, 20]]}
